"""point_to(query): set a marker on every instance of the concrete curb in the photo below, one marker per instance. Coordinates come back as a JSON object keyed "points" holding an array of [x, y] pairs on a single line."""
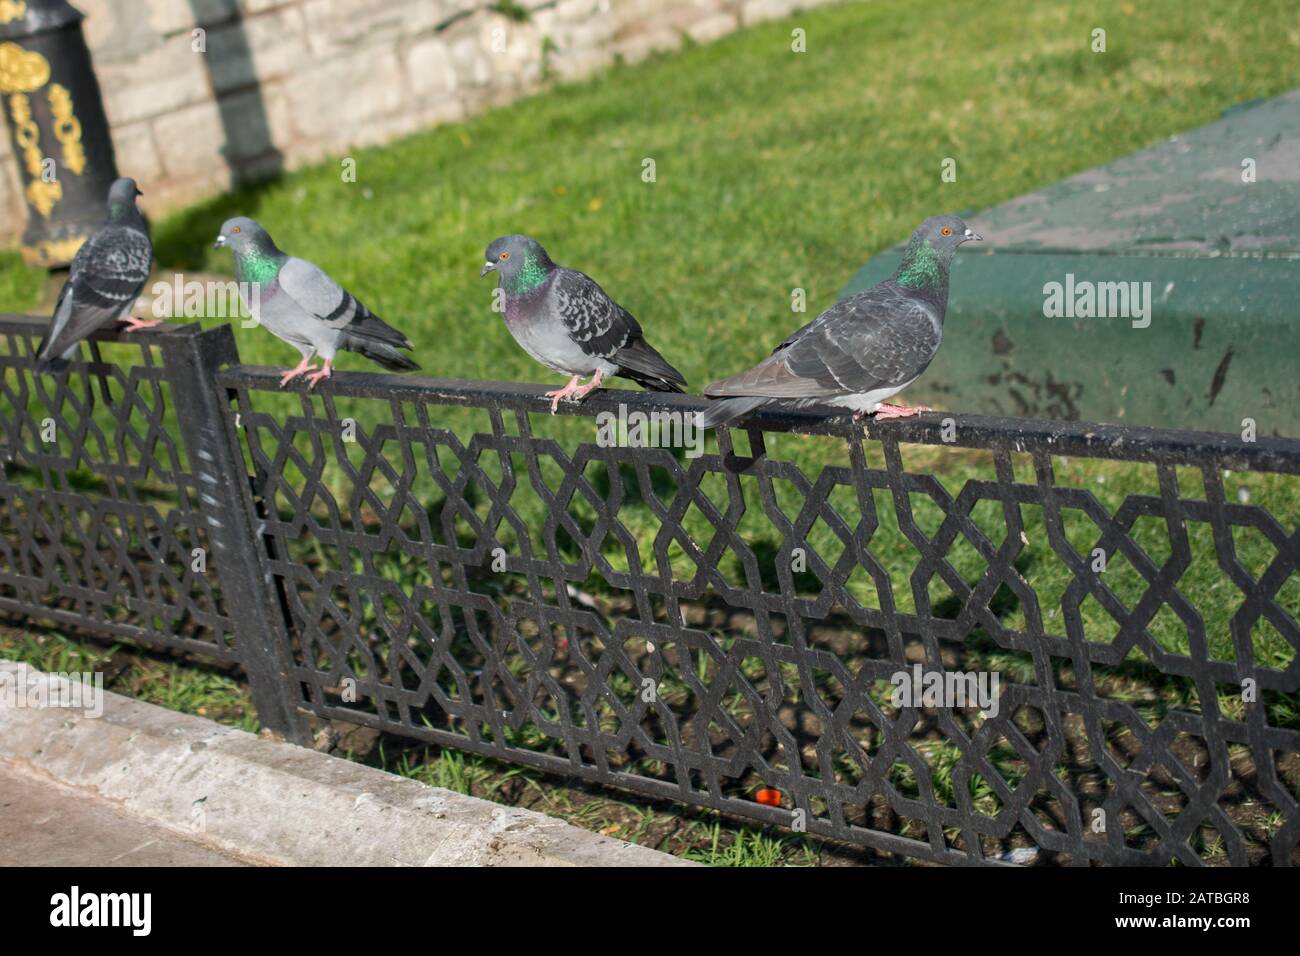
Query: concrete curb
{"points": [[275, 802]]}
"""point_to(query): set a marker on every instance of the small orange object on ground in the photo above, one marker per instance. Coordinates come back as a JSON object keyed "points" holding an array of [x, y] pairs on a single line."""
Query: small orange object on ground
{"points": [[769, 797]]}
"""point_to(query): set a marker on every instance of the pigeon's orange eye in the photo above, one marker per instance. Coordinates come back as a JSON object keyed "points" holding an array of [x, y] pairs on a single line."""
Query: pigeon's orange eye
{"points": [[236, 229], [505, 256], [946, 231]]}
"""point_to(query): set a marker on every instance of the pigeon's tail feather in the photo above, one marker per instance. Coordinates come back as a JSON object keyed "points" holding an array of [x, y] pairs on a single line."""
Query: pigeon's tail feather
{"points": [[651, 382], [380, 352], [639, 361], [371, 326], [47, 360], [57, 365], [727, 410]]}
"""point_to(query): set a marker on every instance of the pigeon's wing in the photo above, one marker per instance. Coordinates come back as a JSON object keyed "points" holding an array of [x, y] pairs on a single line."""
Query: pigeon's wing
{"points": [[596, 323], [332, 305], [877, 339], [107, 275], [639, 361]]}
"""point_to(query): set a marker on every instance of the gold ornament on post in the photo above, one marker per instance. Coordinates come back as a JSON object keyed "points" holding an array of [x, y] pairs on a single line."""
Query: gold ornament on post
{"points": [[56, 120], [67, 128], [42, 193], [11, 10], [22, 71]]}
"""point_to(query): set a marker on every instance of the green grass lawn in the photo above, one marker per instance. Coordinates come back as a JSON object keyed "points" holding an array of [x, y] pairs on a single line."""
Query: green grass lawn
{"points": [[775, 170], [778, 170]]}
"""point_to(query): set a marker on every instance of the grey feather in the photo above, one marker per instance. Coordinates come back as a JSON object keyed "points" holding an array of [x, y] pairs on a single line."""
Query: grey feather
{"points": [[108, 274], [299, 303], [729, 409], [567, 322], [864, 349], [876, 339]]}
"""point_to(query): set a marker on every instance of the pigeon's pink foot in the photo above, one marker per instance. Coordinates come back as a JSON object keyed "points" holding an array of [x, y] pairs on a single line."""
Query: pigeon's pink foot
{"points": [[302, 368], [591, 386], [315, 377], [562, 393], [886, 410], [135, 325]]}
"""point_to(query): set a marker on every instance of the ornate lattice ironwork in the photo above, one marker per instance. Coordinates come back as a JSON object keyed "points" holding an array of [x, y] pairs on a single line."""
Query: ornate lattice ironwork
{"points": [[100, 523], [445, 561], [458, 567]]}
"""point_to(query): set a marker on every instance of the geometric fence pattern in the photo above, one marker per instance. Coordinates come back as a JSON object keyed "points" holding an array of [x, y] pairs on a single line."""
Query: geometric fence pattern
{"points": [[400, 621], [444, 561], [99, 517]]}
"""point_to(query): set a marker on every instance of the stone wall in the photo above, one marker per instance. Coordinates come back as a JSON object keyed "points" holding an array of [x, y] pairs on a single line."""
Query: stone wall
{"points": [[286, 82]]}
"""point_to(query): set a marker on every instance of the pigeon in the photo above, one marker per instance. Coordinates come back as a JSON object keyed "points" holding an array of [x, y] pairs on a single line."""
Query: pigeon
{"points": [[107, 276], [300, 304], [863, 349], [564, 320]]}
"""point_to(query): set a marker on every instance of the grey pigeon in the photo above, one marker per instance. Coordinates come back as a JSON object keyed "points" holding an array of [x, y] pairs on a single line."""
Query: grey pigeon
{"points": [[565, 320], [863, 349], [107, 276], [297, 302]]}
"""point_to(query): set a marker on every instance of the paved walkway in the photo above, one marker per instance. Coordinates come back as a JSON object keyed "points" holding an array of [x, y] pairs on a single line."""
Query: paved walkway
{"points": [[119, 784], [44, 824]]}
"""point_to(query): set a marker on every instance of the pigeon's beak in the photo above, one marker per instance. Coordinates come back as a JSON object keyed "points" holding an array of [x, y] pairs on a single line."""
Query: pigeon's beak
{"points": [[220, 243], [968, 235], [487, 267], [138, 191]]}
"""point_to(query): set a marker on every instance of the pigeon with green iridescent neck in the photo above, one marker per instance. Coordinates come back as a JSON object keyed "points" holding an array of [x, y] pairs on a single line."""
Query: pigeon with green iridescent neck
{"points": [[297, 302], [107, 276], [862, 350], [564, 320]]}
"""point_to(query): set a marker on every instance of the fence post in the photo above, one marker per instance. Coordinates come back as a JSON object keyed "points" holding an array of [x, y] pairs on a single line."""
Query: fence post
{"points": [[217, 462]]}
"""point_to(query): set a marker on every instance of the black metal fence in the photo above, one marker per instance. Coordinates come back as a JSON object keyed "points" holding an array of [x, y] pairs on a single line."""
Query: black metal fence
{"points": [[738, 630]]}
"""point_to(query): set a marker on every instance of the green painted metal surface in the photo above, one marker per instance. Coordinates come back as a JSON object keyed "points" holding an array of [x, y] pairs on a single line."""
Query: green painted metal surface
{"points": [[1204, 332]]}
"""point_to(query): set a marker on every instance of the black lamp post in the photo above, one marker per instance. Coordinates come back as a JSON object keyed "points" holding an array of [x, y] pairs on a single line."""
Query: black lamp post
{"points": [[56, 120]]}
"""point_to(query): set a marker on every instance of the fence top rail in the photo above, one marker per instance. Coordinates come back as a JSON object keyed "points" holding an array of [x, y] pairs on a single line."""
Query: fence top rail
{"points": [[1028, 435], [11, 322], [36, 325], [1080, 439]]}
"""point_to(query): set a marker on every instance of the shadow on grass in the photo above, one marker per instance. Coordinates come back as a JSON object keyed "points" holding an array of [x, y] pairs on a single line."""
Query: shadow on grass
{"points": [[183, 241]]}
